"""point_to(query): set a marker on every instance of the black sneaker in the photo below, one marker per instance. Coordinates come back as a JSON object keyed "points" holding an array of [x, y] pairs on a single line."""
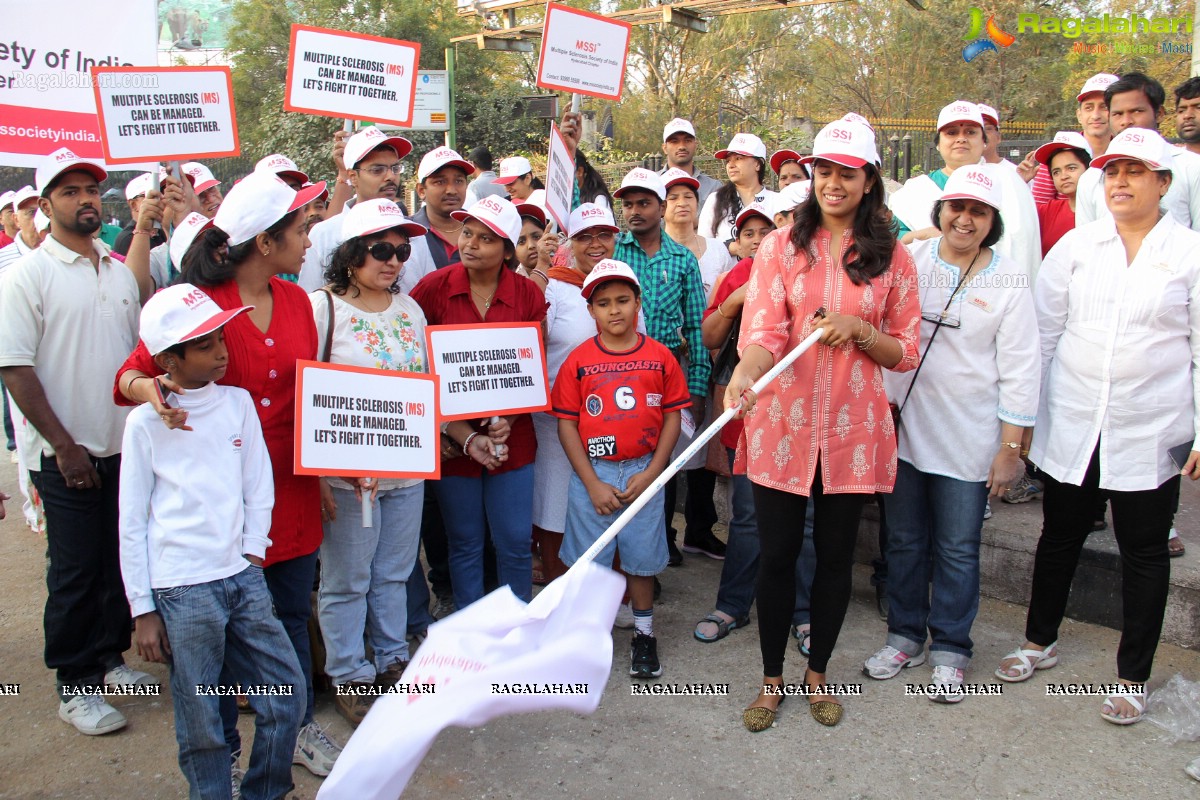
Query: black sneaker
{"points": [[674, 557], [643, 662], [705, 544]]}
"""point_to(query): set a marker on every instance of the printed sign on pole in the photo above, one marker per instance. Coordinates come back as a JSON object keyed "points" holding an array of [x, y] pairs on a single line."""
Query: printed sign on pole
{"points": [[351, 75], [583, 52], [188, 115], [366, 423], [431, 108], [560, 179], [486, 370]]}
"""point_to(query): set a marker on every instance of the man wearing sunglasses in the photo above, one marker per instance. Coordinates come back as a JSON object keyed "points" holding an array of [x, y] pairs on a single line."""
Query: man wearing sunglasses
{"points": [[373, 160], [442, 186]]}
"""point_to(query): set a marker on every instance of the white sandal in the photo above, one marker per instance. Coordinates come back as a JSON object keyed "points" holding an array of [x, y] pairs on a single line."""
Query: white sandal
{"points": [[1135, 699], [1028, 662]]}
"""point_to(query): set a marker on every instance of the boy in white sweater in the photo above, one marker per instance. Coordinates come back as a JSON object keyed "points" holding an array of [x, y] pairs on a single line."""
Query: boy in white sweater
{"points": [[194, 520]]}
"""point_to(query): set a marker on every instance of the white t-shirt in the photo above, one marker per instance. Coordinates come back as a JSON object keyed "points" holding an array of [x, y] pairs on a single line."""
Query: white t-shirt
{"points": [[725, 228], [325, 237], [1182, 200]]}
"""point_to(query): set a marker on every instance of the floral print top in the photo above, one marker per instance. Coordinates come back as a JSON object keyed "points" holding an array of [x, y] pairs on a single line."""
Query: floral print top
{"points": [[830, 404]]}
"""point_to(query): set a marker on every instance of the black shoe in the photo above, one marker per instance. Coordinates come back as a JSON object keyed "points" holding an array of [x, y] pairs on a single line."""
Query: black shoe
{"points": [[674, 557], [643, 660], [705, 544], [881, 603]]}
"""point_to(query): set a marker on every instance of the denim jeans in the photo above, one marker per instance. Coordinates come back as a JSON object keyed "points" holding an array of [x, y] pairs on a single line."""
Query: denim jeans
{"points": [[735, 594], [231, 620], [291, 585], [934, 524], [363, 576], [470, 506], [86, 620], [417, 592]]}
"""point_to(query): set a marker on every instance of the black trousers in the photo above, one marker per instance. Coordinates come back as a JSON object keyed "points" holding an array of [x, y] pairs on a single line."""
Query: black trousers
{"points": [[1141, 522], [699, 508], [87, 622], [781, 535]]}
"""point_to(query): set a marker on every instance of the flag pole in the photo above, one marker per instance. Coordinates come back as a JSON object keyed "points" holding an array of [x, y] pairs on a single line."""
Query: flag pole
{"points": [[699, 442]]}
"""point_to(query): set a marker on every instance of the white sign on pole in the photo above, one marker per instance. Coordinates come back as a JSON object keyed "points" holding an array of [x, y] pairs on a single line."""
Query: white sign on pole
{"points": [[486, 370], [365, 423], [46, 98], [583, 52], [189, 115], [431, 109], [560, 179], [351, 75]]}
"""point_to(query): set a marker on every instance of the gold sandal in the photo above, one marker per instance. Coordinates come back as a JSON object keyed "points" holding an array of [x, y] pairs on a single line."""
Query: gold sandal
{"points": [[826, 712], [758, 718]]}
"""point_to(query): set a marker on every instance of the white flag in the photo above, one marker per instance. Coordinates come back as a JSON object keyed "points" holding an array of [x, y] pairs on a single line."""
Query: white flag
{"points": [[496, 656]]}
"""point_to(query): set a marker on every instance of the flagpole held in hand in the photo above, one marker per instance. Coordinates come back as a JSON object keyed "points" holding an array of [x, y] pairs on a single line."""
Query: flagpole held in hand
{"points": [[697, 444]]}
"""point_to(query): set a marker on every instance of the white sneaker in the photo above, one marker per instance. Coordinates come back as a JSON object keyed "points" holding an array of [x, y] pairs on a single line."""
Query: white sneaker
{"points": [[91, 715], [315, 751], [624, 617], [127, 676], [948, 683], [888, 662]]}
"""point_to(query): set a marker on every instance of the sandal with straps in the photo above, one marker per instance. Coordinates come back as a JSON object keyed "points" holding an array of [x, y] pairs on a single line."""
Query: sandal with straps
{"points": [[1028, 662], [1109, 708], [723, 626]]}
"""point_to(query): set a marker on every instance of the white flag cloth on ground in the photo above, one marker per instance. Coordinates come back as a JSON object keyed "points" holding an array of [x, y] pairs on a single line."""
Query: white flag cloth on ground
{"points": [[563, 637]]}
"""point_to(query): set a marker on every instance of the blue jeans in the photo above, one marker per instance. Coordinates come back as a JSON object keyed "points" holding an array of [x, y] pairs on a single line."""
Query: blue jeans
{"points": [[363, 576], [934, 523], [291, 585], [735, 594], [470, 506], [417, 591], [231, 620]]}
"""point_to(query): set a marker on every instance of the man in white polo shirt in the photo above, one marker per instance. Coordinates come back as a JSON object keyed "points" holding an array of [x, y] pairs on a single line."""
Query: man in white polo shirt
{"points": [[68, 319], [679, 146]]}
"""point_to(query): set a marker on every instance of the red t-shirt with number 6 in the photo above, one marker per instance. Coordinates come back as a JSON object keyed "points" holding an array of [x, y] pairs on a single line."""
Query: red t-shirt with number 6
{"points": [[619, 398]]}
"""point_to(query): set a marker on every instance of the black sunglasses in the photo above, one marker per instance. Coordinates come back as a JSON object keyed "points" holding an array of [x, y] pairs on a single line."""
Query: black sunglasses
{"points": [[383, 251]]}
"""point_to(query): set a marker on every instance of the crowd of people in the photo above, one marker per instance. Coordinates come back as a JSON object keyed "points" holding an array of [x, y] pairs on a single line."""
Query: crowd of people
{"points": [[990, 330]]}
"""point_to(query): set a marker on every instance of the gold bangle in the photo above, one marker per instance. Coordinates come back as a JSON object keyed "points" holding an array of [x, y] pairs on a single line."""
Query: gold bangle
{"points": [[721, 312], [1011, 445]]}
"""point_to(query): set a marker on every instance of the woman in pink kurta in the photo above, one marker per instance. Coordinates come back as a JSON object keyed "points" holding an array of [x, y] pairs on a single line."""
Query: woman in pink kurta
{"points": [[822, 430]]}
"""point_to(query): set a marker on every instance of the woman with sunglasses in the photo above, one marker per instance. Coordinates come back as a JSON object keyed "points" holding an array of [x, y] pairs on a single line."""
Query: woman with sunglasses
{"points": [[363, 319], [955, 445], [821, 433]]}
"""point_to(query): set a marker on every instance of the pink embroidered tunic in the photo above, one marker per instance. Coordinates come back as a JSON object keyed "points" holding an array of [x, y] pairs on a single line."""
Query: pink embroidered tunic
{"points": [[831, 402]]}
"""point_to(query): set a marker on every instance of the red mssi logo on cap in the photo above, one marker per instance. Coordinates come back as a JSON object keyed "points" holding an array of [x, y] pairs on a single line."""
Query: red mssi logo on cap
{"points": [[280, 161], [840, 134], [194, 298], [390, 210], [65, 155], [1135, 138], [490, 204], [975, 176], [594, 211]]}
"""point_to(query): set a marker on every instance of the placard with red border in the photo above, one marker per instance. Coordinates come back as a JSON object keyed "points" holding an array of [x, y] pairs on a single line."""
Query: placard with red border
{"points": [[583, 52], [488, 370], [345, 424], [187, 115], [351, 75]]}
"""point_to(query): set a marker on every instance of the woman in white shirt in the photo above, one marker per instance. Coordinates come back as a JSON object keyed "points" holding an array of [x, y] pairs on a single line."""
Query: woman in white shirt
{"points": [[963, 412], [1118, 306], [746, 167]]}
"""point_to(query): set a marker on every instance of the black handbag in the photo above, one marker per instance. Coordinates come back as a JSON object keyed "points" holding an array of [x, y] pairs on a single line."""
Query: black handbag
{"points": [[726, 359]]}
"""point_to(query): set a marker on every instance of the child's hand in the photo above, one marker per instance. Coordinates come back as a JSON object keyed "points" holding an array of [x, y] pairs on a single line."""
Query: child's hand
{"points": [[150, 635], [255, 560], [636, 485], [605, 498]]}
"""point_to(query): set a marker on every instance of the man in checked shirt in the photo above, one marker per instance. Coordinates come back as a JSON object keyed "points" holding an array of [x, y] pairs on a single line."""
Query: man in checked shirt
{"points": [[673, 304]]}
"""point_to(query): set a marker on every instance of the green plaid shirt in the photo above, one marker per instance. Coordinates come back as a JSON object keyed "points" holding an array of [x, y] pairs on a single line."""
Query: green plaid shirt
{"points": [[672, 301]]}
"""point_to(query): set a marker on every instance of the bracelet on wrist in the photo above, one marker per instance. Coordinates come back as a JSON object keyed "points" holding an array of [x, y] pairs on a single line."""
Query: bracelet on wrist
{"points": [[1011, 445], [721, 311], [140, 232], [466, 445], [540, 274]]}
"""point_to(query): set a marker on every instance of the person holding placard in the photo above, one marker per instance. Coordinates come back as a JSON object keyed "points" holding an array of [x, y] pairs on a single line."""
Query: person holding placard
{"points": [[260, 231], [363, 319], [372, 160], [486, 489], [746, 167], [135, 194]]}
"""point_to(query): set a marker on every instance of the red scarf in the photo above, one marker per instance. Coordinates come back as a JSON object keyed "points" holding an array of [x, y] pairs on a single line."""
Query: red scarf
{"points": [[566, 275]]}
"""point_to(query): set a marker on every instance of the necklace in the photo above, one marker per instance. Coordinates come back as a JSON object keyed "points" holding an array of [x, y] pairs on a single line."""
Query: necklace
{"points": [[362, 299], [487, 301], [446, 230]]}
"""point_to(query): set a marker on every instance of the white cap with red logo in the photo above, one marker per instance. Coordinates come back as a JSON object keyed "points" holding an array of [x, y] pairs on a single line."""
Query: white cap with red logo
{"points": [[499, 215], [22, 196], [7, 198], [959, 111], [512, 168], [376, 216], [754, 210], [281, 165], [184, 234], [1138, 144], [442, 157], [139, 186], [643, 179], [989, 114], [781, 157], [179, 314], [791, 196], [1097, 83], [201, 176], [976, 182], [591, 215], [847, 143], [675, 175], [362, 143], [257, 202], [63, 160], [860, 119], [608, 269], [678, 125], [746, 144], [1063, 140]]}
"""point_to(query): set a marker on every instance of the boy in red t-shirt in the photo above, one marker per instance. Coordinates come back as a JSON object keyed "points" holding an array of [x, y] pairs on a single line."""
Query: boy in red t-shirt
{"points": [[617, 399]]}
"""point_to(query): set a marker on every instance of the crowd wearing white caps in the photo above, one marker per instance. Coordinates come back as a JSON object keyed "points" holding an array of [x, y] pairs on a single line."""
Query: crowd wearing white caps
{"points": [[1089, 185]]}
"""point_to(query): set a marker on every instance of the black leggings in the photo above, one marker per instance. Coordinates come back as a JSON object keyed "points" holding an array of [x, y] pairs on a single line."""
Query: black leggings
{"points": [[781, 534]]}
